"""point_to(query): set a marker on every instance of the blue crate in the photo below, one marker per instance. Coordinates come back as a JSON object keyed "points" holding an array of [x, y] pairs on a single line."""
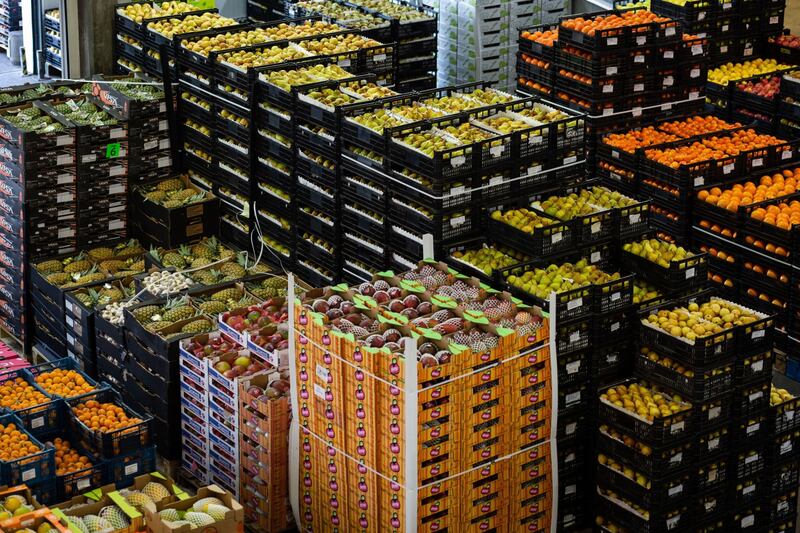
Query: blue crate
{"points": [[39, 420], [31, 469], [111, 444], [66, 363], [122, 469], [75, 483], [45, 492], [793, 369]]}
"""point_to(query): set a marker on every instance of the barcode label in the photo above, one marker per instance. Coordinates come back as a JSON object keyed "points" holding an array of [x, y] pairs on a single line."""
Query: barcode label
{"points": [[28, 475], [117, 188], [699, 181], [697, 49], [669, 32], [574, 304], [690, 273], [131, 469], [634, 218], [727, 169], [757, 162], [323, 373], [572, 397], [164, 161], [37, 422], [117, 133], [319, 391]]}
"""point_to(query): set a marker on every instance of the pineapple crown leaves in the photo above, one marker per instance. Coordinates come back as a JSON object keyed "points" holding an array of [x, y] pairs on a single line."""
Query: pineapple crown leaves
{"points": [[213, 245], [172, 303], [242, 259], [80, 257], [185, 251], [155, 253], [78, 275], [93, 295]]}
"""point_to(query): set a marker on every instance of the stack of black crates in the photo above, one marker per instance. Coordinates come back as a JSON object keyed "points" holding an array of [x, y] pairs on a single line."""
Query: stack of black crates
{"points": [[736, 30], [10, 20], [414, 39], [39, 204], [395, 194], [623, 77], [725, 460]]}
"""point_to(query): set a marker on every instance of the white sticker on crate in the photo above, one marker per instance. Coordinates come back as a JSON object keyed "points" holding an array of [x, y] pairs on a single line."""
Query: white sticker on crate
{"points": [[573, 367], [638, 87], [786, 447], [575, 336], [29, 474], [677, 489], [641, 40], [63, 140], [64, 197], [497, 151], [131, 469], [615, 296], [673, 521], [669, 54], [457, 221], [786, 154], [669, 81], [758, 334], [752, 428], [690, 273], [596, 227], [379, 57], [572, 398], [64, 233], [638, 59], [497, 180], [714, 412], [163, 125], [677, 458], [789, 415], [756, 396], [571, 159], [751, 459], [757, 162], [570, 489], [610, 71], [748, 51], [574, 304], [457, 161], [116, 170], [115, 224], [537, 139], [615, 326], [677, 426], [750, 519], [634, 218], [117, 188], [571, 427], [747, 490], [608, 88], [556, 237], [319, 391], [758, 366], [608, 111], [783, 506], [70, 322], [164, 161], [64, 159], [83, 484], [774, 20], [727, 169], [149, 145], [37, 422], [724, 48], [636, 111], [323, 373], [713, 444]]}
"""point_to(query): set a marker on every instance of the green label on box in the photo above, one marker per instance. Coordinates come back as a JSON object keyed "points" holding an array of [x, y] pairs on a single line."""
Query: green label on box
{"points": [[112, 150], [202, 4]]}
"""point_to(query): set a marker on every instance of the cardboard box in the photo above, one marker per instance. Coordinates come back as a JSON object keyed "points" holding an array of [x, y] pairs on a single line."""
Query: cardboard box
{"points": [[233, 521]]}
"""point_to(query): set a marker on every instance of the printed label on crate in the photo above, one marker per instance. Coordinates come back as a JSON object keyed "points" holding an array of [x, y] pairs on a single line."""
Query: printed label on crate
{"points": [[610, 71], [112, 150], [636, 111], [677, 427], [28, 475], [752, 428], [758, 334], [690, 273], [750, 459], [117, 133], [164, 161], [694, 73], [574, 304], [37, 422], [786, 447]]}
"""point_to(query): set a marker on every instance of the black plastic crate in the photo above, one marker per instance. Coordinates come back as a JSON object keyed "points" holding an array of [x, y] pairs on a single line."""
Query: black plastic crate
{"points": [[37, 467], [573, 304], [661, 431], [662, 492], [710, 474], [750, 430], [322, 172], [675, 517], [686, 274], [783, 448], [784, 416], [654, 463], [698, 352], [536, 48], [603, 40], [751, 399], [611, 362], [753, 368], [551, 239], [705, 383], [713, 443]]}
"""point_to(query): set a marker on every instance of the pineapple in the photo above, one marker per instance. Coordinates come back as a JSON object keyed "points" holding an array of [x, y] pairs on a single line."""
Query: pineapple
{"points": [[59, 278], [79, 264], [172, 184], [113, 265], [90, 277], [88, 298], [50, 267], [207, 248], [198, 262], [200, 325], [156, 196], [226, 295], [101, 253], [137, 266], [205, 277], [233, 270], [212, 307], [155, 327], [143, 314], [261, 292], [109, 294], [132, 247], [180, 312]]}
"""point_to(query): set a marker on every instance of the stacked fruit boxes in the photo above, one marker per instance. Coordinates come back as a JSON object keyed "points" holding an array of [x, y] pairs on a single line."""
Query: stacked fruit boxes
{"points": [[779, 505], [10, 19], [39, 205], [499, 443], [264, 450], [633, 73], [144, 108], [734, 29], [684, 461], [194, 415], [411, 28]]}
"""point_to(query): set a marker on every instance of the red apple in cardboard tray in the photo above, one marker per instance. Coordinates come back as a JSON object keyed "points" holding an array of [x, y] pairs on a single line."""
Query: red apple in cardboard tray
{"points": [[789, 41]]}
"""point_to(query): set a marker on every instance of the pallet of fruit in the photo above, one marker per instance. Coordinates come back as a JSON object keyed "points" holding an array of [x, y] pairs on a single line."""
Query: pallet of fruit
{"points": [[666, 265]]}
